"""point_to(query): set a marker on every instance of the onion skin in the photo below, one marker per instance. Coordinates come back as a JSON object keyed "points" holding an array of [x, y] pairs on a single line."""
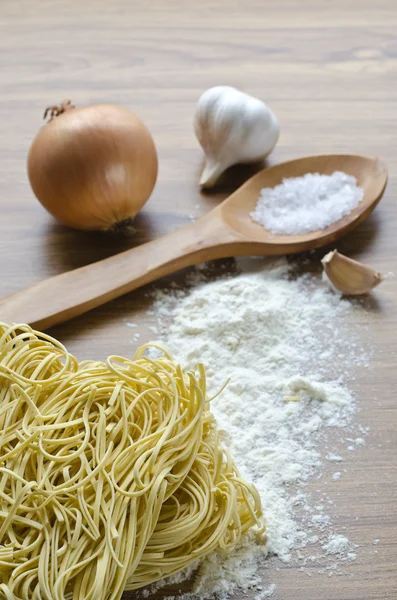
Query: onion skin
{"points": [[93, 167]]}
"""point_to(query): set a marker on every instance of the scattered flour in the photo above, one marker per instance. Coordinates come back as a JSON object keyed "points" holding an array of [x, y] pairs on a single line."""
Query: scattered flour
{"points": [[266, 593], [282, 342], [336, 544], [307, 203], [334, 457]]}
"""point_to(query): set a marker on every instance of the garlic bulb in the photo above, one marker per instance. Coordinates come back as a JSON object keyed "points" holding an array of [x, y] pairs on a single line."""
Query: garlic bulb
{"points": [[232, 127], [348, 276]]}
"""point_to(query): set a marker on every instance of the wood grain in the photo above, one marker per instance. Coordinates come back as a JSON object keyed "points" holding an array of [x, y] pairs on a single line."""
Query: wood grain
{"points": [[328, 70], [226, 231]]}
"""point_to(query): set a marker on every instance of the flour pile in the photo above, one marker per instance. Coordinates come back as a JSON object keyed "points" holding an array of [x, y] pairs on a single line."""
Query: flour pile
{"points": [[283, 341]]}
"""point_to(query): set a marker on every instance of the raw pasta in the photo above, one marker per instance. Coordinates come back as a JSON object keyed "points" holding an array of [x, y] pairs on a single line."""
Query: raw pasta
{"points": [[112, 474]]}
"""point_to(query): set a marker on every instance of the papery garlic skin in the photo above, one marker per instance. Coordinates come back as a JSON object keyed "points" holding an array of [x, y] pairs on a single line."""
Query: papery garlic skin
{"points": [[232, 127]]}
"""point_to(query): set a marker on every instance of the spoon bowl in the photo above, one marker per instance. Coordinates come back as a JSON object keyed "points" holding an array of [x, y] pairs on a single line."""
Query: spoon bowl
{"points": [[228, 230], [371, 176]]}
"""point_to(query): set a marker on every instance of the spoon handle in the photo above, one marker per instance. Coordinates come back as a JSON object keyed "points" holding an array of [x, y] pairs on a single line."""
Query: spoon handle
{"points": [[75, 292]]}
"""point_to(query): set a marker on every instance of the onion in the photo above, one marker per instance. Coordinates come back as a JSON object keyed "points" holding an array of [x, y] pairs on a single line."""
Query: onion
{"points": [[92, 167]]}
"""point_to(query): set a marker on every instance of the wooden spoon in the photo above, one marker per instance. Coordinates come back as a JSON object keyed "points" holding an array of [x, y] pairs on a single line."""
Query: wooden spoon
{"points": [[228, 230]]}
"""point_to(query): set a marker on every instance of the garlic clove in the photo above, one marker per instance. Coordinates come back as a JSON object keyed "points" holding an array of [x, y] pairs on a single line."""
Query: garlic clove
{"points": [[348, 276]]}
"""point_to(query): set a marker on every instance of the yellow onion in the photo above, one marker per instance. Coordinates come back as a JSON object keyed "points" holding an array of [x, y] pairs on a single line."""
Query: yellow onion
{"points": [[92, 167]]}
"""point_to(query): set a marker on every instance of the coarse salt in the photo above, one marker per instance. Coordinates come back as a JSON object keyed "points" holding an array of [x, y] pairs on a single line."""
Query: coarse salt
{"points": [[308, 203]]}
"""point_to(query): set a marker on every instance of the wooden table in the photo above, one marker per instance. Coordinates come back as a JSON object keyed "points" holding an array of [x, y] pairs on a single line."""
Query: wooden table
{"points": [[328, 69]]}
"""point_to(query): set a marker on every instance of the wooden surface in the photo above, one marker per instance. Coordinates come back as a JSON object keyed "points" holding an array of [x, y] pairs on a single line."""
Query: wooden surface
{"points": [[328, 70], [224, 232]]}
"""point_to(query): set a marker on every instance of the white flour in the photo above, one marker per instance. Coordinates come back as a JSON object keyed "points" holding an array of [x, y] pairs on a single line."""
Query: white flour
{"points": [[283, 343]]}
